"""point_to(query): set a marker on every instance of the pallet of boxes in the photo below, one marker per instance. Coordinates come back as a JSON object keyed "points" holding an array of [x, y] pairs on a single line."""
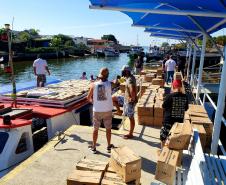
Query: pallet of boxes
{"points": [[200, 121], [124, 168], [159, 80], [171, 154], [149, 107]]}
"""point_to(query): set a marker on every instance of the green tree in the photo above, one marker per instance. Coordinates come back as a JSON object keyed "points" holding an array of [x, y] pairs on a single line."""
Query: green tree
{"points": [[69, 43], [56, 42], [110, 37], [165, 44]]}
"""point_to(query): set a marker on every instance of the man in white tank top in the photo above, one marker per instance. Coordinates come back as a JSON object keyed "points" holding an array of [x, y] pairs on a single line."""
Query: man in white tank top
{"points": [[100, 96]]}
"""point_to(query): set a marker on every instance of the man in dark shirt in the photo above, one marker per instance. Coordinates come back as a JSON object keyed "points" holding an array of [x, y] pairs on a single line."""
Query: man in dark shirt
{"points": [[138, 64], [175, 104]]}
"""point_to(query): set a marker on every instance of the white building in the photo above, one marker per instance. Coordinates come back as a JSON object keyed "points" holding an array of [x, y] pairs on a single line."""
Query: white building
{"points": [[78, 40]]}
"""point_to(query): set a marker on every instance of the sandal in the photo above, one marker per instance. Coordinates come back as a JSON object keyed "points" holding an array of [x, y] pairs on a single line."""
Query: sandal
{"points": [[110, 147], [128, 136], [93, 150]]}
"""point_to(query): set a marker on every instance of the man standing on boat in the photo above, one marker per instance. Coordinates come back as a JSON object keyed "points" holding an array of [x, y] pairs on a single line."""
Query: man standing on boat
{"points": [[40, 67], [100, 96]]}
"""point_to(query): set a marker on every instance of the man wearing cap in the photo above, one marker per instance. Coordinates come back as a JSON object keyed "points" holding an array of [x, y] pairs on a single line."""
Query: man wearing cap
{"points": [[100, 96], [175, 104]]}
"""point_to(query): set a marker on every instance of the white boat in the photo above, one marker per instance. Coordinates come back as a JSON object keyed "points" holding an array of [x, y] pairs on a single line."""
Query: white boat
{"points": [[111, 52], [136, 50]]}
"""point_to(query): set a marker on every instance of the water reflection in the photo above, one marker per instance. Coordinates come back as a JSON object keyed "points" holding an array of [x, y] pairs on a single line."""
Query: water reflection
{"points": [[66, 69]]}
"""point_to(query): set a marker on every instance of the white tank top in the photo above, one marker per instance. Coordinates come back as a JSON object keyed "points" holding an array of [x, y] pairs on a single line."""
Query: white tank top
{"points": [[102, 101]]}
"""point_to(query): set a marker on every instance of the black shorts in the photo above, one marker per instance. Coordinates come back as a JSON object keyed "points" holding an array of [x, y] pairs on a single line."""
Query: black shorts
{"points": [[41, 78]]}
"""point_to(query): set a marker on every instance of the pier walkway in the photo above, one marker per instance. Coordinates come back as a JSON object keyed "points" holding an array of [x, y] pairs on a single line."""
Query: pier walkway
{"points": [[51, 165]]}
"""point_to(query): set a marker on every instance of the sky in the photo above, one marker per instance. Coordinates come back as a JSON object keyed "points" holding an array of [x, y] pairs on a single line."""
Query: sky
{"points": [[73, 17]]}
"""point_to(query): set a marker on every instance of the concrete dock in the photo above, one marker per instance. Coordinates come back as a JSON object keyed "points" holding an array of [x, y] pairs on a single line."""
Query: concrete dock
{"points": [[52, 164]]}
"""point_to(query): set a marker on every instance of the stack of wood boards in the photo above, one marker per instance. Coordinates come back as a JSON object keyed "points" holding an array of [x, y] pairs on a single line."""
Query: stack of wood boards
{"points": [[199, 119], [61, 91], [149, 107]]}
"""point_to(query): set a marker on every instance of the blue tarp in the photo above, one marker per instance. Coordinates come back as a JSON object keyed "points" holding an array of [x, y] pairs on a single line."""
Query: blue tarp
{"points": [[170, 21]]}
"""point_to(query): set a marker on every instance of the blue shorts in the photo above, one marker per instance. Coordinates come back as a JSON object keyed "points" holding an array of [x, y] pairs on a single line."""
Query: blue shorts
{"points": [[128, 109], [120, 100]]}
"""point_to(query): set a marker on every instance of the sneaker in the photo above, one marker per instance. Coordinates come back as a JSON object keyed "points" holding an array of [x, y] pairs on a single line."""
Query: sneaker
{"points": [[110, 147], [93, 150]]}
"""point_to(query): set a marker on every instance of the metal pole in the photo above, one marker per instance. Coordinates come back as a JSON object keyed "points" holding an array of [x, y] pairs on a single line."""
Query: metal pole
{"points": [[9, 35], [189, 61], [202, 57], [220, 108], [193, 66]]}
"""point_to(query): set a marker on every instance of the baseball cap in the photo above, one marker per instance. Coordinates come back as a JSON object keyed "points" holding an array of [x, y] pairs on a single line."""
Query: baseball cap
{"points": [[177, 83]]}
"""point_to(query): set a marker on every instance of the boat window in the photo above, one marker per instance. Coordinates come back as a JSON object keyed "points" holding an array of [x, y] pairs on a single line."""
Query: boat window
{"points": [[22, 145], [3, 139]]}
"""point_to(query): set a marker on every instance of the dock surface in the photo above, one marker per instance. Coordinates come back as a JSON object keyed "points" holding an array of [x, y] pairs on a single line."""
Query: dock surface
{"points": [[51, 165]]}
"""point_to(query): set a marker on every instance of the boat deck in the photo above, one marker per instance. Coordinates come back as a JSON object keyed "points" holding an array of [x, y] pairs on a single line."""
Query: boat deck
{"points": [[52, 164]]}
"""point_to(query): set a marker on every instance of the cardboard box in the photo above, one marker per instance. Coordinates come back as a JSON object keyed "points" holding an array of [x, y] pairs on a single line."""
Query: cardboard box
{"points": [[158, 111], [114, 179], [91, 165], [145, 110], [202, 134], [157, 81], [159, 72], [206, 122], [180, 135], [178, 76], [198, 114], [158, 121], [126, 163], [146, 120], [79, 177], [196, 108], [166, 166], [186, 116], [149, 77]]}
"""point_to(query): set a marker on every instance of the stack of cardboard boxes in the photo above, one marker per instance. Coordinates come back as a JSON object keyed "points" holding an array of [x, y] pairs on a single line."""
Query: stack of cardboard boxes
{"points": [[172, 153], [199, 119], [124, 168], [149, 107]]}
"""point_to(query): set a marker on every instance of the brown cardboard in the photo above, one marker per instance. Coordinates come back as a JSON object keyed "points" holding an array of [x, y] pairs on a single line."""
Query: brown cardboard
{"points": [[158, 110], [145, 110], [149, 77], [197, 108], [114, 179], [178, 76], [159, 72], [158, 121], [206, 122], [202, 134], [180, 135], [157, 81], [91, 165], [79, 177], [146, 120], [198, 114], [166, 166], [126, 163]]}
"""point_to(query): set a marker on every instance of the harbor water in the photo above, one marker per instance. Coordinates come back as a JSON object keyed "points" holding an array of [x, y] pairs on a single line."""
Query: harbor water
{"points": [[66, 69]]}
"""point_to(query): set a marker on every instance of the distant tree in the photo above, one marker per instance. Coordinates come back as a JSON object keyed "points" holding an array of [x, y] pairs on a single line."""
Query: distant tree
{"points": [[110, 37], [34, 32], [24, 36], [69, 43], [56, 42], [165, 44], [82, 46]]}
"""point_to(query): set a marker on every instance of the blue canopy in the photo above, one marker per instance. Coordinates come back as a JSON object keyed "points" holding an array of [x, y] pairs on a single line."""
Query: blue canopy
{"points": [[196, 16]]}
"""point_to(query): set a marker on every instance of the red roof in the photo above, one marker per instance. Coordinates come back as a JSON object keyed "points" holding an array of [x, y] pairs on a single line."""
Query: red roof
{"points": [[15, 123]]}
